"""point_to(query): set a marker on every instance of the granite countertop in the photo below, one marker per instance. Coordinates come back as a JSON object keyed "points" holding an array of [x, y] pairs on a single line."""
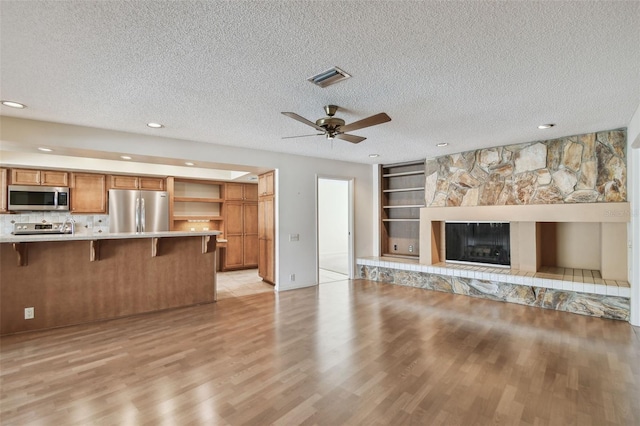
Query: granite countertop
{"points": [[102, 236]]}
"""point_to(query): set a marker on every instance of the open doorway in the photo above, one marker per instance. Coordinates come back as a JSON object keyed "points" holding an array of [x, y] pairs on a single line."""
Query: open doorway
{"points": [[335, 234]]}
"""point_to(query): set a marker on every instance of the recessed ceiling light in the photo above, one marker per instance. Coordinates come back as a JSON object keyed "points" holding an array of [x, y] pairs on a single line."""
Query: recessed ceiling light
{"points": [[546, 126], [13, 104], [189, 163], [374, 155], [155, 125], [442, 144], [45, 149], [125, 157]]}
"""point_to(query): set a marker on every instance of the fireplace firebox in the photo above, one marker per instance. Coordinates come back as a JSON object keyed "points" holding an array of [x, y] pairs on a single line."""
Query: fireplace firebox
{"points": [[478, 243]]}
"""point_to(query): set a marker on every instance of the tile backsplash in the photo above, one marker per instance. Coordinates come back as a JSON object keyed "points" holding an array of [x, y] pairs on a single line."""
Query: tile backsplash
{"points": [[85, 223]]}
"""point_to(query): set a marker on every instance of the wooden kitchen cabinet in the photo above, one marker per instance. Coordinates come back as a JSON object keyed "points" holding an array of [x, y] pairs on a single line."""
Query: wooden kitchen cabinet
{"points": [[266, 239], [39, 177], [266, 229], [241, 192], [3, 190], [266, 184], [88, 193], [241, 221], [136, 182]]}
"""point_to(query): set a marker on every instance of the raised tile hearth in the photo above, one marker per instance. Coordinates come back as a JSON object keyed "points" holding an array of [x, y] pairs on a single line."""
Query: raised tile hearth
{"points": [[565, 289]]}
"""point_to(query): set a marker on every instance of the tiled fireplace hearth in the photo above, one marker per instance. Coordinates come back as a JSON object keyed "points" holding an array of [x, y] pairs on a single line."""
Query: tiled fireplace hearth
{"points": [[563, 289]]}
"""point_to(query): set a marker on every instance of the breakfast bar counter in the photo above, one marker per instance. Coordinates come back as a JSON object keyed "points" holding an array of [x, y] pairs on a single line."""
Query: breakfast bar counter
{"points": [[74, 279]]}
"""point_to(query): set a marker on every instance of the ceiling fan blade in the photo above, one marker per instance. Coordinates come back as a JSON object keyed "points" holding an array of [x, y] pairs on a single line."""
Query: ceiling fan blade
{"points": [[350, 138], [302, 136], [366, 122], [303, 120]]}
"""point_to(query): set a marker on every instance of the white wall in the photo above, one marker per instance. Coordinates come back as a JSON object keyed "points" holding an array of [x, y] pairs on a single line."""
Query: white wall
{"points": [[296, 182], [633, 167], [333, 225]]}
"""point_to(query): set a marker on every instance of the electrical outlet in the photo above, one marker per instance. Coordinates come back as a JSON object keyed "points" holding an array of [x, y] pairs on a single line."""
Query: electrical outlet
{"points": [[395, 247], [29, 313], [410, 249], [292, 277]]}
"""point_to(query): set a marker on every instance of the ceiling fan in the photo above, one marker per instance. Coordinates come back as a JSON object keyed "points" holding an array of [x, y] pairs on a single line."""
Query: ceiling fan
{"points": [[334, 127]]}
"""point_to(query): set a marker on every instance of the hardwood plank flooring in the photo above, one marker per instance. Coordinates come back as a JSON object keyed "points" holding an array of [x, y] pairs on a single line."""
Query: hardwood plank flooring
{"points": [[348, 352]]}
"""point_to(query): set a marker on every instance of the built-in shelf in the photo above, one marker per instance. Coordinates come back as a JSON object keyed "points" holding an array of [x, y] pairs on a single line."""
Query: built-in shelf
{"points": [[194, 217], [402, 189], [411, 173], [198, 200]]}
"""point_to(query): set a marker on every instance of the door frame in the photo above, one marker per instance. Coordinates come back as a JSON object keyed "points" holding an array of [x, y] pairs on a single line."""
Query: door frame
{"points": [[351, 220]]}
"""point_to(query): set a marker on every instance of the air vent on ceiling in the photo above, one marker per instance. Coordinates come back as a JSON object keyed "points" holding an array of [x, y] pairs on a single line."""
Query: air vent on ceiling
{"points": [[329, 77]]}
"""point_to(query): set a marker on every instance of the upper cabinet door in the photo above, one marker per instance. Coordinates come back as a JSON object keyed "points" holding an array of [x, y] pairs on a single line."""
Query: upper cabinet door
{"points": [[123, 182], [54, 178], [25, 177], [136, 182], [241, 192], [151, 183], [265, 184], [39, 177], [233, 191], [88, 193], [251, 192]]}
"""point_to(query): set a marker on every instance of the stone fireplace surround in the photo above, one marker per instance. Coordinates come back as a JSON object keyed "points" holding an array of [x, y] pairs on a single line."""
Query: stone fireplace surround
{"points": [[565, 201]]}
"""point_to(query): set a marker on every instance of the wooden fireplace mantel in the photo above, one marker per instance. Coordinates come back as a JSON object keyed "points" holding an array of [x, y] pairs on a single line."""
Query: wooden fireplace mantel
{"points": [[532, 232]]}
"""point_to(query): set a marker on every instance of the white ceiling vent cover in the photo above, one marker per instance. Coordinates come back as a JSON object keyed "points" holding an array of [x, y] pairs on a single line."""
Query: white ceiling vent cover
{"points": [[329, 77]]}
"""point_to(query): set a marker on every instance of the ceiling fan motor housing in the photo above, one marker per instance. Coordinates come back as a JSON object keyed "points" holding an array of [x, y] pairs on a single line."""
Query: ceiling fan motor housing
{"points": [[330, 123]]}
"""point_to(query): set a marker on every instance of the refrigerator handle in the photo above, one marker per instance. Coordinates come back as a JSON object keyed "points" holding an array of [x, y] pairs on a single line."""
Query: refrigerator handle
{"points": [[137, 214], [143, 216]]}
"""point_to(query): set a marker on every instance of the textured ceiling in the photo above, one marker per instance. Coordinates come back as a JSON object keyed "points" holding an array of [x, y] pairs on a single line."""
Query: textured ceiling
{"points": [[473, 74]]}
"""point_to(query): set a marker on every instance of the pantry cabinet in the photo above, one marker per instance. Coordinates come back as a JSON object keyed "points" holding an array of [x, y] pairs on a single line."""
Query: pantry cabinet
{"points": [[241, 234], [266, 228]]}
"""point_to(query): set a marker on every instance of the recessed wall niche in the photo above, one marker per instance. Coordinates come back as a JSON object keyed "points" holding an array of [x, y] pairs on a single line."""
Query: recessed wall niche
{"points": [[569, 245]]}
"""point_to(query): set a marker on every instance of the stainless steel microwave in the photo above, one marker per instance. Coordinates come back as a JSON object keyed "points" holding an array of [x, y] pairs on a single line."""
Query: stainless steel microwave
{"points": [[40, 198]]}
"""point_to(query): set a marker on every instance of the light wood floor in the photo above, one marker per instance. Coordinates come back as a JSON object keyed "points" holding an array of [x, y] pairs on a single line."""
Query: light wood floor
{"points": [[349, 352]]}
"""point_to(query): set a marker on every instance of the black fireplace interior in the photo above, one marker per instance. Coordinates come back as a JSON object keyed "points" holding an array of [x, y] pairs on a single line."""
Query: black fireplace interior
{"points": [[478, 242]]}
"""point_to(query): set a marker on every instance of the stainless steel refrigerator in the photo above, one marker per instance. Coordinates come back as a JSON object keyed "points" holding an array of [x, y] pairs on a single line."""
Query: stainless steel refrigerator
{"points": [[138, 211]]}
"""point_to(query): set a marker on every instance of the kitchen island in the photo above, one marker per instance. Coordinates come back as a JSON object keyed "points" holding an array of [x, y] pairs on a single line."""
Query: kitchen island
{"points": [[75, 279]]}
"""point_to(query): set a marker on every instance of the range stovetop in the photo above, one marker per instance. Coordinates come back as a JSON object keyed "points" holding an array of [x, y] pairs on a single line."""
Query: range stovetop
{"points": [[40, 228]]}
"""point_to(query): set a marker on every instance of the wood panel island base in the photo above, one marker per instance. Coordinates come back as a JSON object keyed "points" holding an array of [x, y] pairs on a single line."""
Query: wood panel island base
{"points": [[84, 278]]}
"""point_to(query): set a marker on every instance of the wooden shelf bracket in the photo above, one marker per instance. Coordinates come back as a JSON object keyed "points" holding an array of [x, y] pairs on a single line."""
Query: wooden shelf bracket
{"points": [[155, 245], [94, 250], [21, 251]]}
